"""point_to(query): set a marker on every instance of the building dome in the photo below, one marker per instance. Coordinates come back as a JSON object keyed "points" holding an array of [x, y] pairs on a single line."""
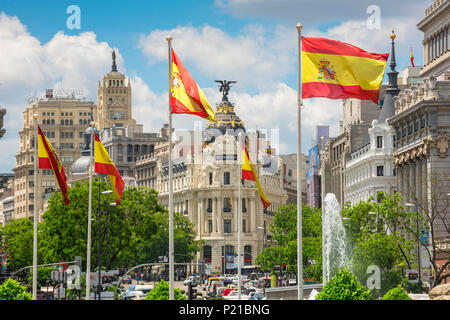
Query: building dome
{"points": [[226, 122]]}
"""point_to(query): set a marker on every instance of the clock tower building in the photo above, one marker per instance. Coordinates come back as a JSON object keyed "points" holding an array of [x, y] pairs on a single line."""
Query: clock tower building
{"points": [[114, 99]]}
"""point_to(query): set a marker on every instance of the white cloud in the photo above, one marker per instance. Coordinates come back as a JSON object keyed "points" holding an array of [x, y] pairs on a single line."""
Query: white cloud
{"points": [[26, 65], [254, 57]]}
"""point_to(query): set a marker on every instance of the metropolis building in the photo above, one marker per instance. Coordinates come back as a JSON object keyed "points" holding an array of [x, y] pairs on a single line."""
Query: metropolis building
{"points": [[205, 182]]}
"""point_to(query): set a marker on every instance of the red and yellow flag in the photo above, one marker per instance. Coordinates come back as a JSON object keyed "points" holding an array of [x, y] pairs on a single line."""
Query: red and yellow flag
{"points": [[186, 96], [337, 70], [48, 159], [249, 173], [103, 164], [412, 58]]}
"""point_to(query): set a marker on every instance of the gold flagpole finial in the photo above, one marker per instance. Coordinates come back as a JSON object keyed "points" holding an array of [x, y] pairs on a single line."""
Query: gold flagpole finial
{"points": [[299, 26], [169, 38], [393, 35]]}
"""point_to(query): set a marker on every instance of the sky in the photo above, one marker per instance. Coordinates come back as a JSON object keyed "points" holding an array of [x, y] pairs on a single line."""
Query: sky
{"points": [[253, 42]]}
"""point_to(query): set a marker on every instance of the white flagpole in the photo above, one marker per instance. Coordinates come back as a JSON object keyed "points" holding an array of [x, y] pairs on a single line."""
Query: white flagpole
{"points": [[88, 258], [35, 204], [239, 214], [299, 181], [171, 244]]}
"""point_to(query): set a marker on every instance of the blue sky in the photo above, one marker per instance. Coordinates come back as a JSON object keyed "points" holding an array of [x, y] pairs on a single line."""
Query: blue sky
{"points": [[251, 41]]}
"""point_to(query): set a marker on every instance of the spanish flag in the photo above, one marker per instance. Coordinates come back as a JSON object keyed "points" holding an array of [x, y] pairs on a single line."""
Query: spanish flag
{"points": [[337, 70], [412, 58], [249, 173], [48, 159], [103, 164], [186, 96]]}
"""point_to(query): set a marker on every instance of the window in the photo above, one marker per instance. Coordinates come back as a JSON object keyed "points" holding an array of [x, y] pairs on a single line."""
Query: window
{"points": [[227, 226], [226, 178], [210, 202], [379, 142], [244, 208], [226, 205], [210, 178], [290, 172], [210, 226], [243, 226], [380, 171]]}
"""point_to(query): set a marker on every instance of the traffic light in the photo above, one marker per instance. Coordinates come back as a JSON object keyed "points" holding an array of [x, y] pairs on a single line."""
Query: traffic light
{"points": [[284, 267], [191, 290]]}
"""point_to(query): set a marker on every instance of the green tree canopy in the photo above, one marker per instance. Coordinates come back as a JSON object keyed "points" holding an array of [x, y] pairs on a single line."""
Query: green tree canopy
{"points": [[283, 246], [12, 290], [161, 292], [344, 286]]}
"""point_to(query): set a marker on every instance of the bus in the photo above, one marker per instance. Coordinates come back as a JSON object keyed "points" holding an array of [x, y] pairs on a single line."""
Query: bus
{"points": [[250, 272]]}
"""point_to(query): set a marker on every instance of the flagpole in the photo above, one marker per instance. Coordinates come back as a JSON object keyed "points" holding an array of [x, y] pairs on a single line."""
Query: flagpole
{"points": [[171, 249], [35, 204], [239, 214], [88, 258], [299, 181]]}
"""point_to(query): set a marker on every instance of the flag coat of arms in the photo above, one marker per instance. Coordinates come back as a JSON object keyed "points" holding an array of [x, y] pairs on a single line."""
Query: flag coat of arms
{"points": [[337, 70], [104, 165], [186, 96], [48, 159], [249, 173]]}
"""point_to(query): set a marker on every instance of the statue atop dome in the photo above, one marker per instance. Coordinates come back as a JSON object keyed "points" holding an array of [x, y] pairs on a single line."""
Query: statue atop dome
{"points": [[225, 88]]}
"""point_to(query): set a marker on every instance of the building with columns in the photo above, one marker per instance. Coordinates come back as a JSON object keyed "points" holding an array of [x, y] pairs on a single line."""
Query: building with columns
{"points": [[205, 185], [436, 37], [369, 170], [422, 126]]}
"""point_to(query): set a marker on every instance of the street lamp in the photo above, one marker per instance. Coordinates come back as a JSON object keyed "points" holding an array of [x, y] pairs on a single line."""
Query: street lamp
{"points": [[99, 259], [412, 205]]}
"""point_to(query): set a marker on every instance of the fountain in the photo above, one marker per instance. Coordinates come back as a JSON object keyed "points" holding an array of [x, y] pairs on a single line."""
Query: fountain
{"points": [[333, 239]]}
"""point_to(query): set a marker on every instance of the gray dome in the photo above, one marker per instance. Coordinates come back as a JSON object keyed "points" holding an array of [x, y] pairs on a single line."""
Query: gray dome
{"points": [[81, 165]]}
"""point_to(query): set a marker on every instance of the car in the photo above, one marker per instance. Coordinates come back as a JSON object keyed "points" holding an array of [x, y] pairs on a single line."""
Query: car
{"points": [[192, 279], [126, 280]]}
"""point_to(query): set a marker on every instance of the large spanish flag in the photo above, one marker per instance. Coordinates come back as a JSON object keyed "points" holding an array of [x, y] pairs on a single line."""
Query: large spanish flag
{"points": [[337, 70], [186, 96], [249, 173], [48, 159], [103, 164]]}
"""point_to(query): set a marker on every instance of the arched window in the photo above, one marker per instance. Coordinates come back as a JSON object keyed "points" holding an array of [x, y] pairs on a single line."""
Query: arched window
{"points": [[53, 121], [80, 121]]}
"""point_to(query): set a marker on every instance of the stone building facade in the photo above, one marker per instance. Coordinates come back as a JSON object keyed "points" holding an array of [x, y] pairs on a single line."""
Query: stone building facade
{"points": [[63, 121], [205, 186]]}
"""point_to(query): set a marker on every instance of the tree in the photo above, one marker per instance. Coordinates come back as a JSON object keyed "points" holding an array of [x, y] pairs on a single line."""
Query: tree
{"points": [[17, 242], [135, 230], [433, 220], [344, 286], [283, 248], [161, 292], [397, 293], [376, 236], [12, 290]]}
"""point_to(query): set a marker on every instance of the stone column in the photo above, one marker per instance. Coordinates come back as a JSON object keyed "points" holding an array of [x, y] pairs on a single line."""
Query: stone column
{"points": [[199, 216], [214, 215], [400, 181], [419, 182], [412, 181], [425, 183], [252, 216], [406, 182]]}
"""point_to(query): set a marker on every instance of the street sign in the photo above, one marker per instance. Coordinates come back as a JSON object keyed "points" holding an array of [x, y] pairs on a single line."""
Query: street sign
{"points": [[413, 276]]}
